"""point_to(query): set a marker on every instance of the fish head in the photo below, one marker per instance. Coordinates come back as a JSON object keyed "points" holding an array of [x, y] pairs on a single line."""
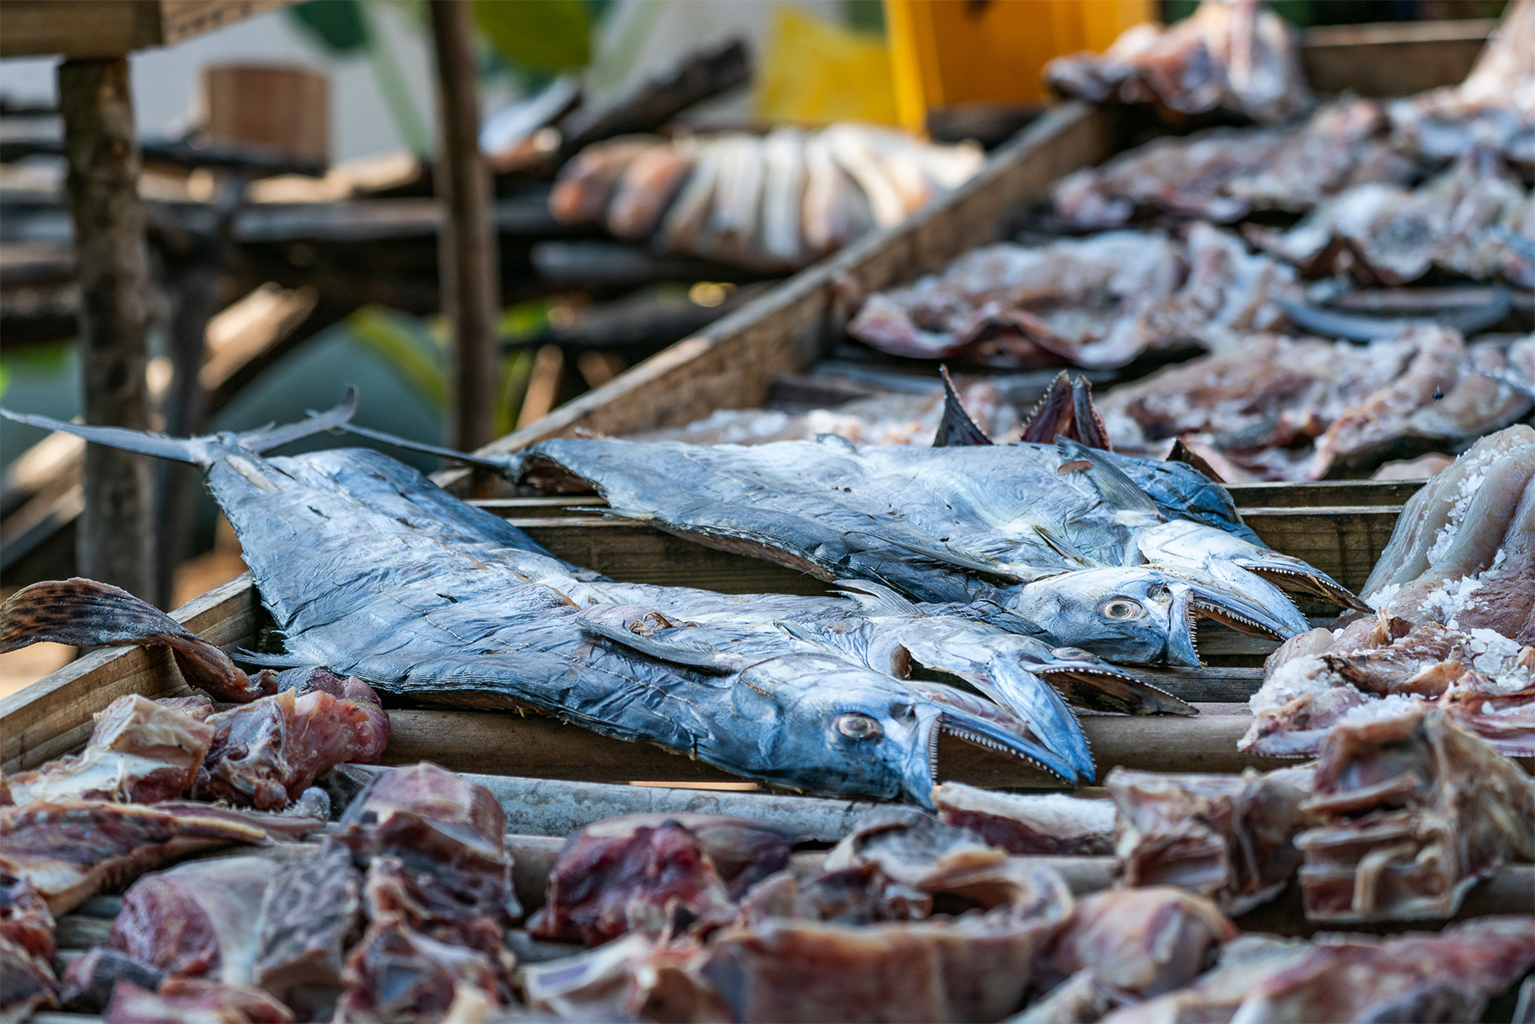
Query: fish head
{"points": [[1146, 614], [861, 732], [1180, 542]]}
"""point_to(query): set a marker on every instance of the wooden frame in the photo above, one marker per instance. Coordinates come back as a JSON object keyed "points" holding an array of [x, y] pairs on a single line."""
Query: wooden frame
{"points": [[78, 29]]}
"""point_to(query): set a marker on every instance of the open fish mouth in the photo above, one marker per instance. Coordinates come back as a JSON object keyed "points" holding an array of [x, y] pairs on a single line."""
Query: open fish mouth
{"points": [[1103, 687], [955, 714], [1303, 579]]}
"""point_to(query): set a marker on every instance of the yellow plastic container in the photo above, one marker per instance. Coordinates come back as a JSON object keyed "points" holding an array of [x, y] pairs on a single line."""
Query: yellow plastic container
{"points": [[945, 52]]}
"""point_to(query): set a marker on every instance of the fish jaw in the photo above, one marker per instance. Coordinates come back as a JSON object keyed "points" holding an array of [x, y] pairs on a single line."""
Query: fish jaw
{"points": [[981, 724], [1242, 600], [1093, 683], [1181, 542]]}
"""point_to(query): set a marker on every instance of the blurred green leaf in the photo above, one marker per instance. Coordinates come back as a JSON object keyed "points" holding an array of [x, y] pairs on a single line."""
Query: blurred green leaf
{"points": [[5, 379], [406, 344], [541, 35], [337, 24]]}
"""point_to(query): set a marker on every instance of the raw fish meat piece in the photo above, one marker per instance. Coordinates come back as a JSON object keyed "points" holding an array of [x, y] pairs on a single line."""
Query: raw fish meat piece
{"points": [[194, 1001], [266, 753], [27, 948], [1232, 55], [396, 974], [1415, 809], [1410, 977], [310, 916], [139, 751], [1138, 942], [71, 850], [197, 919], [89, 980], [1229, 838], [1049, 824], [586, 184], [1245, 962], [658, 874]]}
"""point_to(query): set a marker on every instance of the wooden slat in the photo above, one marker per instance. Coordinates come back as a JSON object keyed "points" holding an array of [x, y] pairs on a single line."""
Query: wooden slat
{"points": [[1323, 493], [503, 743], [1343, 542], [1403, 58], [735, 362], [53, 716], [112, 28]]}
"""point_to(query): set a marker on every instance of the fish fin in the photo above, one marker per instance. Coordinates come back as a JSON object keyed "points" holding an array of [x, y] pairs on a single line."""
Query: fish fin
{"points": [[191, 449], [837, 441], [1182, 452], [267, 438], [1062, 547], [1087, 424], [678, 652], [84, 613], [501, 464], [988, 612], [1113, 485], [1041, 424], [955, 558], [957, 428], [875, 599]]}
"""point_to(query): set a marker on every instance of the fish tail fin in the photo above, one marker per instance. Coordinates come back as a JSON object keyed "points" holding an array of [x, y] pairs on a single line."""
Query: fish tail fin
{"points": [[501, 464], [1087, 424], [85, 613], [196, 450], [956, 428], [1116, 488], [1040, 426]]}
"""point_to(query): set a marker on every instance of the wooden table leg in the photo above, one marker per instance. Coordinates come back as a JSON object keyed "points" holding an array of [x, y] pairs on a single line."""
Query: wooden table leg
{"points": [[116, 542]]}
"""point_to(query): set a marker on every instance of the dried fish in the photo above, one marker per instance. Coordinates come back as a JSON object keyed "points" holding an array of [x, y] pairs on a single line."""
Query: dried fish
{"points": [[1236, 56], [1093, 302], [1051, 823], [1414, 810]]}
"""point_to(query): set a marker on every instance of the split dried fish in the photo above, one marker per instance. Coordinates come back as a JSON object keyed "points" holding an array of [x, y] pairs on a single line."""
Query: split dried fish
{"points": [[1279, 408], [1236, 56], [1091, 302], [1224, 174]]}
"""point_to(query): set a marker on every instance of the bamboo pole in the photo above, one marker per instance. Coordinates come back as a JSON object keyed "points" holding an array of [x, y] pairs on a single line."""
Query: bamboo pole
{"points": [[467, 257], [116, 542]]}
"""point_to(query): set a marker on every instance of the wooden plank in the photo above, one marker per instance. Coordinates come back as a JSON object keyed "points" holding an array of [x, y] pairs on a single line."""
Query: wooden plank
{"points": [[1343, 542], [506, 743], [1391, 59], [734, 363], [112, 28], [1323, 493], [53, 716]]}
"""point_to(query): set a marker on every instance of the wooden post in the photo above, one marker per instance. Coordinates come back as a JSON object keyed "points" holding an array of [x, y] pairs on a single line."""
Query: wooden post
{"points": [[467, 258], [115, 543]]}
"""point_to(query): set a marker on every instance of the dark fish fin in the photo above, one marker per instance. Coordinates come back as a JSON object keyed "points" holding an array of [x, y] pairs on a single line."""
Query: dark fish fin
{"points": [[1183, 453], [1116, 488], [499, 464], [677, 652], [268, 438], [192, 449], [1087, 426], [1043, 424], [84, 613], [957, 428]]}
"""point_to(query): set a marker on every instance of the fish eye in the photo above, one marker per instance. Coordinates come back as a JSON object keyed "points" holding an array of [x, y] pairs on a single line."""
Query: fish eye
{"points": [[857, 726], [1119, 608]]}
